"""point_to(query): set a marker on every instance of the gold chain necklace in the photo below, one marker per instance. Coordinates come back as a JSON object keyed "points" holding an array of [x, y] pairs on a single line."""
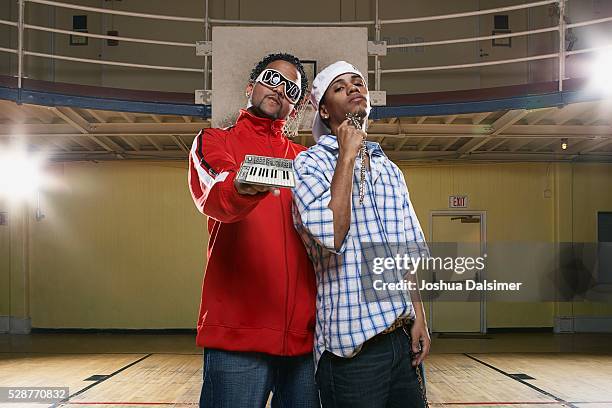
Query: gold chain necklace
{"points": [[356, 121]]}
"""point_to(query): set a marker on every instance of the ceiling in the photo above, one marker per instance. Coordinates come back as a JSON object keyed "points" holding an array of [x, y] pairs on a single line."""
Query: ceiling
{"points": [[66, 133]]}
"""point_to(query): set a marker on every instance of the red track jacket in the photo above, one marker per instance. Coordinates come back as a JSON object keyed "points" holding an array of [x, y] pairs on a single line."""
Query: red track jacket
{"points": [[259, 288]]}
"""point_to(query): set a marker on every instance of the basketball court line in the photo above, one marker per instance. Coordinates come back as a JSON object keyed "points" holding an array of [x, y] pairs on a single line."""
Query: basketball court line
{"points": [[95, 352], [133, 403], [459, 403], [558, 401], [57, 404], [541, 391], [501, 403]]}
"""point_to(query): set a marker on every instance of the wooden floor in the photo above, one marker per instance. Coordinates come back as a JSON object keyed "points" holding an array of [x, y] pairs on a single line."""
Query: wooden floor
{"points": [[504, 370]]}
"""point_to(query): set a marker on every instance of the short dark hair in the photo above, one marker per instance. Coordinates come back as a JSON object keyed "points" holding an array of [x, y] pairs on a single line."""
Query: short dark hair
{"points": [[292, 59]]}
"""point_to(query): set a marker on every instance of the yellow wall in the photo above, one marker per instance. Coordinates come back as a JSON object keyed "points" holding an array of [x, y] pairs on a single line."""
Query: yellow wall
{"points": [[122, 246], [592, 192], [590, 189], [4, 266], [505, 191], [14, 263], [517, 210]]}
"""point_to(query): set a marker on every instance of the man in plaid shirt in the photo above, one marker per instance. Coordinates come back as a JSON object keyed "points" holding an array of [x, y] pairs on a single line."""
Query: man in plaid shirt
{"points": [[368, 352]]}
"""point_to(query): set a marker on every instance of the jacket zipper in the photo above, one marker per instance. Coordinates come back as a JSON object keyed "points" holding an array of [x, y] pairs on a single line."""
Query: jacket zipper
{"points": [[284, 346]]}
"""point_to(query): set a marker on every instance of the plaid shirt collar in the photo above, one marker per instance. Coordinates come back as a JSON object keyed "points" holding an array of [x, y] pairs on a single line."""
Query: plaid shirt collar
{"points": [[378, 157], [330, 142]]}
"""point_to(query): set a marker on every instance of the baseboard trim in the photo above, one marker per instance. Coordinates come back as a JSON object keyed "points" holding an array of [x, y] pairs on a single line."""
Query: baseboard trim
{"points": [[583, 324], [111, 331], [495, 330], [15, 325]]}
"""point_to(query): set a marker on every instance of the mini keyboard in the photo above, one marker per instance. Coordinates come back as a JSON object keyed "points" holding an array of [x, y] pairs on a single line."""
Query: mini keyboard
{"points": [[267, 171]]}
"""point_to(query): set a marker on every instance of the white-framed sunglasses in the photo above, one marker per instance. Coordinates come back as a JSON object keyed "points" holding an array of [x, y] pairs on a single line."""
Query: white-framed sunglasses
{"points": [[273, 78]]}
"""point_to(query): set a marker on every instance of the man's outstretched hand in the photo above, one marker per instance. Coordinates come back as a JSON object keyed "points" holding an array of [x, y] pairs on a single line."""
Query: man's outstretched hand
{"points": [[252, 189]]}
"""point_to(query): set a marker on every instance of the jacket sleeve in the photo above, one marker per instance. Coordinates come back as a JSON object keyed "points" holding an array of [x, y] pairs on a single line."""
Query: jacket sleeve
{"points": [[212, 170]]}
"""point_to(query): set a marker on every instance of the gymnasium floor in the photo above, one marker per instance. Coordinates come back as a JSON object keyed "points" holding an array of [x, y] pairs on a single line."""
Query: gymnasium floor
{"points": [[128, 370]]}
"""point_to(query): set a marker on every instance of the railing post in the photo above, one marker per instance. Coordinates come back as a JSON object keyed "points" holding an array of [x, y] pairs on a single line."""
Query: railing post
{"points": [[21, 6], [561, 43], [206, 38], [376, 58]]}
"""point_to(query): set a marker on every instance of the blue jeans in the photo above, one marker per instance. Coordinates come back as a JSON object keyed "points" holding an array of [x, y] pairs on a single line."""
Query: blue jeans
{"points": [[241, 379], [381, 375]]}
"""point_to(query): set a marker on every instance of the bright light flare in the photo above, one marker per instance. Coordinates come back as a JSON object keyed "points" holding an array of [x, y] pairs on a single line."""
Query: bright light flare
{"points": [[20, 174], [600, 73]]}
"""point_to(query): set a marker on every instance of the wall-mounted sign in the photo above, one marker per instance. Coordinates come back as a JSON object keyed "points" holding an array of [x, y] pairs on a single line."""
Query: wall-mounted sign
{"points": [[457, 202], [79, 23]]}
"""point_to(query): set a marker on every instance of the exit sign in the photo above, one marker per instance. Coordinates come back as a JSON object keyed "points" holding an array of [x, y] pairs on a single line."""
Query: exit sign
{"points": [[457, 202]]}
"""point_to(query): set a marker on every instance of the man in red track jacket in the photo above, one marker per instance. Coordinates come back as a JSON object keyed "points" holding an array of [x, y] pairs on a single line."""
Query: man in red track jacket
{"points": [[257, 312]]}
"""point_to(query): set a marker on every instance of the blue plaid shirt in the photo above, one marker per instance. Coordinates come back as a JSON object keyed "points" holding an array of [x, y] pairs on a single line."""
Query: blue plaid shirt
{"points": [[344, 319]]}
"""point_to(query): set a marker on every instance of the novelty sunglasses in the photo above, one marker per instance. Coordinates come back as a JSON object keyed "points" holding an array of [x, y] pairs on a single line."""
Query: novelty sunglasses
{"points": [[273, 78]]}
